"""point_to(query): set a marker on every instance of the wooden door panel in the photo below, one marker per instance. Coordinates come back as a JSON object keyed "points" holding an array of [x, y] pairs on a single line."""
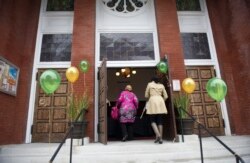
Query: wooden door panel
{"points": [[206, 110], [102, 112], [50, 119]]}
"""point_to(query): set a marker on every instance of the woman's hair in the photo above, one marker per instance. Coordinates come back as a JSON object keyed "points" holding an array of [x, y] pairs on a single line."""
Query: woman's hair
{"points": [[155, 79], [128, 88]]}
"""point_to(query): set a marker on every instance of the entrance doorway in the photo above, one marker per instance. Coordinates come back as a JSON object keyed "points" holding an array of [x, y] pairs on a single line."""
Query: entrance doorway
{"points": [[110, 85], [116, 84]]}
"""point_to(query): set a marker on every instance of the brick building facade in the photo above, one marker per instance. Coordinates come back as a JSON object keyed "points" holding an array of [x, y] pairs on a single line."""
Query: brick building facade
{"points": [[19, 25]]}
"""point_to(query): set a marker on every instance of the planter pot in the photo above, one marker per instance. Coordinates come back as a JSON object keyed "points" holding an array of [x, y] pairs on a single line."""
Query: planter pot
{"points": [[79, 129], [187, 126]]}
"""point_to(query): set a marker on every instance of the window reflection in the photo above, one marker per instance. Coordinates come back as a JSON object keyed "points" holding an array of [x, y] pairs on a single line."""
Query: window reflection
{"points": [[188, 5], [126, 46], [56, 47], [195, 46], [60, 5]]}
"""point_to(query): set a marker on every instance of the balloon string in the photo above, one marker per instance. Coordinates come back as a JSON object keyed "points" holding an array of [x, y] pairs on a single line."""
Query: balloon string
{"points": [[71, 94], [215, 113], [197, 113], [50, 125], [42, 102], [72, 89], [84, 80]]}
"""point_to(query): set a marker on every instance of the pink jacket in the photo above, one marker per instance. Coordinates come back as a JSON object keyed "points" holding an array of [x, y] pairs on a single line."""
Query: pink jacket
{"points": [[127, 100]]}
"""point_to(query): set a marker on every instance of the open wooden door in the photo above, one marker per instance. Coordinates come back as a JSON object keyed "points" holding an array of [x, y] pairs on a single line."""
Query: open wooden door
{"points": [[169, 131], [102, 106]]}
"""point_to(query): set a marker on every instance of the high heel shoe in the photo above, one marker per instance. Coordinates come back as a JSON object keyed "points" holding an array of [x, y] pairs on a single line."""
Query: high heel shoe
{"points": [[124, 138], [157, 140]]}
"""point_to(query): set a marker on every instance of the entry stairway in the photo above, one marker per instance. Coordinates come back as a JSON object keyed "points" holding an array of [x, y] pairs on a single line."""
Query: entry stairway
{"points": [[136, 151]]}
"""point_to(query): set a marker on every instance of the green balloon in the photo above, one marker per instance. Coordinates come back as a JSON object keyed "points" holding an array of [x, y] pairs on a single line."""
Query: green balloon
{"points": [[216, 89], [162, 67], [50, 80], [84, 66]]}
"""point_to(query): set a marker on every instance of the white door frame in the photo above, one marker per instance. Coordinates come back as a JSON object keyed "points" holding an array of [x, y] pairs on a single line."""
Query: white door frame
{"points": [[145, 23]]}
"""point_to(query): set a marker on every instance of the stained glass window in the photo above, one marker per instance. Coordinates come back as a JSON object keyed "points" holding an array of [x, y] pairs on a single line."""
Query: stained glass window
{"points": [[195, 46], [60, 5], [126, 46], [56, 48], [188, 5], [125, 6]]}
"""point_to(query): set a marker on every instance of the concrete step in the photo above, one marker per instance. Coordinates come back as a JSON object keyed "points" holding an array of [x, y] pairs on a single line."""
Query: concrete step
{"points": [[136, 151]]}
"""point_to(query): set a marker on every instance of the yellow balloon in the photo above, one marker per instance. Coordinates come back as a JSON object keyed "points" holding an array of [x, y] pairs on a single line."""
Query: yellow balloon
{"points": [[188, 85], [72, 74]]}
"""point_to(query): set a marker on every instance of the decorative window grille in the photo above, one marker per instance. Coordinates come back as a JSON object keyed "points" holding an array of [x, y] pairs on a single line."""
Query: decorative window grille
{"points": [[126, 46], [125, 6]]}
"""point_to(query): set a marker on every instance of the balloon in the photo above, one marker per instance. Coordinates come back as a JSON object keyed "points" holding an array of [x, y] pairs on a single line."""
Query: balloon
{"points": [[216, 89], [188, 85], [162, 67], [84, 66], [72, 74], [50, 80]]}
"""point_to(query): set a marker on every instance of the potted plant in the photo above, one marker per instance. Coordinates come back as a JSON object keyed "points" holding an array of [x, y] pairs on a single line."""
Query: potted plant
{"points": [[78, 103], [185, 124]]}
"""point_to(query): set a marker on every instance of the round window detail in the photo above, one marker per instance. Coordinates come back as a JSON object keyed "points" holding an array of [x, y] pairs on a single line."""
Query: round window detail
{"points": [[125, 7]]}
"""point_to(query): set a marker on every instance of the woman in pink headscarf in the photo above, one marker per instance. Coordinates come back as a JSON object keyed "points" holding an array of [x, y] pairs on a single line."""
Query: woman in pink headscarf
{"points": [[127, 104]]}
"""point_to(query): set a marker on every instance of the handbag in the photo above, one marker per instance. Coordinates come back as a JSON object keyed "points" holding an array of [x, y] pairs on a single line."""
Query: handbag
{"points": [[115, 113]]}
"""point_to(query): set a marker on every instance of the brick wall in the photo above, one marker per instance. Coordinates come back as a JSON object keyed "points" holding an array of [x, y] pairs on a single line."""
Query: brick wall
{"points": [[83, 48], [230, 25], [19, 20], [169, 37]]}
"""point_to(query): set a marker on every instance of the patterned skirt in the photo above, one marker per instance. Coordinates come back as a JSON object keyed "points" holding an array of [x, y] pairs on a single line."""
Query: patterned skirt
{"points": [[127, 115]]}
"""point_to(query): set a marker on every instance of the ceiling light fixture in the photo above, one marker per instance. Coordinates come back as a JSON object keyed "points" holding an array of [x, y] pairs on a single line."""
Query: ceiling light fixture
{"points": [[125, 72]]}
